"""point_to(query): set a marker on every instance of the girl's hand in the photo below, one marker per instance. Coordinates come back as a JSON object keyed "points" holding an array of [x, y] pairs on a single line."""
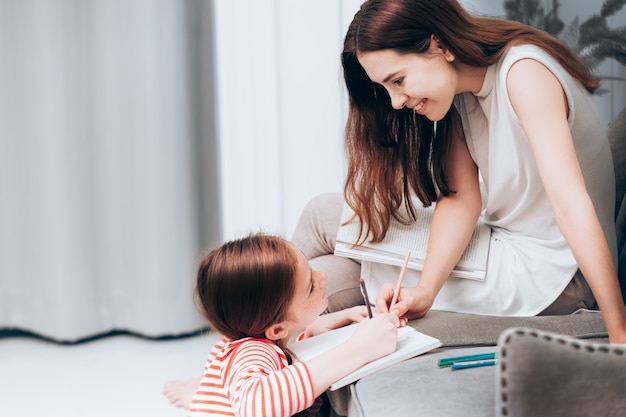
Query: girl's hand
{"points": [[331, 321], [372, 339], [376, 337], [412, 303]]}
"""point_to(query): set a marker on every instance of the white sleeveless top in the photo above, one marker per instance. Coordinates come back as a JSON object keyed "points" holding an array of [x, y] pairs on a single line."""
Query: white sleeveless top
{"points": [[530, 262]]}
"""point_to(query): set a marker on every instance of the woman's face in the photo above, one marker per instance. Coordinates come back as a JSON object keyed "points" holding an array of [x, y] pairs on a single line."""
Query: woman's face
{"points": [[424, 82], [310, 296]]}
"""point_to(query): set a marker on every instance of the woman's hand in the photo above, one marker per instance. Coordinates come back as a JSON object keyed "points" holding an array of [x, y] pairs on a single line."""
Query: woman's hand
{"points": [[331, 321], [412, 302]]}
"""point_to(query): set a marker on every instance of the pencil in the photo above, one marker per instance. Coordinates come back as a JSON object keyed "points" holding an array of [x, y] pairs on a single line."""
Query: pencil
{"points": [[366, 298], [400, 278], [467, 358], [473, 364]]}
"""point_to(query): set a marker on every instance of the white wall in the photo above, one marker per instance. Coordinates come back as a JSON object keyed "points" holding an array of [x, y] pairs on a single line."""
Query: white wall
{"points": [[281, 108], [281, 104]]}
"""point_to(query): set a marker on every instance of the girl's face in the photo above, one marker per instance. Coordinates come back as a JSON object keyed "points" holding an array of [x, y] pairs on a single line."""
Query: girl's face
{"points": [[310, 296], [424, 82]]}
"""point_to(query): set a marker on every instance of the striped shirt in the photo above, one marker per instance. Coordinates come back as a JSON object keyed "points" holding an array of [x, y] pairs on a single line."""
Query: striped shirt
{"points": [[251, 377]]}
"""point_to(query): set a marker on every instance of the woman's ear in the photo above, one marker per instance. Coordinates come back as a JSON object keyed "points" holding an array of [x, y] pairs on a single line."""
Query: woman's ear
{"points": [[437, 47], [277, 331]]}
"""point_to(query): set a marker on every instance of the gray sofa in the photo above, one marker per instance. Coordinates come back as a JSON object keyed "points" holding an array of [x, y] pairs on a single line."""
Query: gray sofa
{"points": [[418, 387], [547, 365]]}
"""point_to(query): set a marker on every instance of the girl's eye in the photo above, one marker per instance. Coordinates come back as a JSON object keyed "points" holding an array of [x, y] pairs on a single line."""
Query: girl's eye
{"points": [[398, 81]]}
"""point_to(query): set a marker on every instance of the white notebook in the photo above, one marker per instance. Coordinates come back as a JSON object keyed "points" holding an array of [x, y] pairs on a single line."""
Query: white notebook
{"points": [[411, 343]]}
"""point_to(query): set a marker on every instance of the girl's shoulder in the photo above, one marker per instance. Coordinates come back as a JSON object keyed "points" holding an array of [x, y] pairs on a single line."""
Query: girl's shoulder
{"points": [[246, 346]]}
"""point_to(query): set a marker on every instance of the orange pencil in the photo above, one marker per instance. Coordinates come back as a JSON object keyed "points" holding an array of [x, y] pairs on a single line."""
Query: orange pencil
{"points": [[400, 278]]}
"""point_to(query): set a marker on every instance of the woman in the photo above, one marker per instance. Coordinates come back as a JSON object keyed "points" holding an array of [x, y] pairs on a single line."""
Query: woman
{"points": [[511, 105]]}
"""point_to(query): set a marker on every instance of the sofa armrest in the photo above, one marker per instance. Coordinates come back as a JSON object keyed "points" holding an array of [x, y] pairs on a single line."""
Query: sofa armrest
{"points": [[541, 373]]}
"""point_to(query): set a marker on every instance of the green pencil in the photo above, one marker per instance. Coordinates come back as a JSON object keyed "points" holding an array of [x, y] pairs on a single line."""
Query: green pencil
{"points": [[481, 356]]}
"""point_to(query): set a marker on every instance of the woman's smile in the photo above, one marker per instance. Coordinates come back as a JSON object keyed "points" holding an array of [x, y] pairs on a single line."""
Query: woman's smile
{"points": [[420, 108]]}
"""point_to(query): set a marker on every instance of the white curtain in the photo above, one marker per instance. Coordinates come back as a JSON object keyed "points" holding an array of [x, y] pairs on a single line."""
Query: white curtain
{"points": [[107, 165]]}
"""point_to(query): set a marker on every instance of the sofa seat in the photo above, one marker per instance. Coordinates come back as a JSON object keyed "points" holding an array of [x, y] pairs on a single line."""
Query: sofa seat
{"points": [[418, 387]]}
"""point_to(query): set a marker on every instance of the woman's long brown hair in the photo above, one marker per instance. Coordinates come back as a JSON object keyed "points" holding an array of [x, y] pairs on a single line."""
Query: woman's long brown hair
{"points": [[395, 153]]}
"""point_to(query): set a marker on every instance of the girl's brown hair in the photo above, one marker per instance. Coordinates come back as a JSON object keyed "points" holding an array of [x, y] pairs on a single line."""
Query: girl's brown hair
{"points": [[246, 285], [393, 153]]}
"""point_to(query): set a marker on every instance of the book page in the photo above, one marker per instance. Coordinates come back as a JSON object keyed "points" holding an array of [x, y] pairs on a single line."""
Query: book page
{"points": [[411, 343], [414, 237]]}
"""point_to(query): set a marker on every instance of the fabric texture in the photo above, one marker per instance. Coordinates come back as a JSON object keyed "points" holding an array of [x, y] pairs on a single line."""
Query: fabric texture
{"points": [[107, 195], [251, 377], [542, 373]]}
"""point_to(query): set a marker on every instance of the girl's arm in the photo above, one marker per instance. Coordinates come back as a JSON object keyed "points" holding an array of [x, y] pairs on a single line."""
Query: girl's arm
{"points": [[335, 320], [539, 102], [453, 223], [261, 385], [372, 339]]}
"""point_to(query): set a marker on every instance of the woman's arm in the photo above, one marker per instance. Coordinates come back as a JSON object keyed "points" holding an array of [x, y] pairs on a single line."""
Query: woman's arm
{"points": [[453, 223], [539, 102]]}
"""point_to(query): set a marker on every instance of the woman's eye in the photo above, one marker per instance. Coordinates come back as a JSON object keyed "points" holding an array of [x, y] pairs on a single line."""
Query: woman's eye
{"points": [[398, 81]]}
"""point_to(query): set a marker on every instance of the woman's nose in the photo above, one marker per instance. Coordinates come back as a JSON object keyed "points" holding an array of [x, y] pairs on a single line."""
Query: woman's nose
{"points": [[398, 100]]}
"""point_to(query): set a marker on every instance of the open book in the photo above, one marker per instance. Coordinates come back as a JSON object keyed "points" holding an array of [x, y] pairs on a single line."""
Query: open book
{"points": [[410, 343], [400, 239]]}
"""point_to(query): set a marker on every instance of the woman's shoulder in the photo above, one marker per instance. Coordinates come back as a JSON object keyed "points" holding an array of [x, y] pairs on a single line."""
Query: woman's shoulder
{"points": [[527, 51]]}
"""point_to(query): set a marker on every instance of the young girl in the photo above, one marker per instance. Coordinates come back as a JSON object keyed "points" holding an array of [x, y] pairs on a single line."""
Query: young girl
{"points": [[260, 293], [438, 98]]}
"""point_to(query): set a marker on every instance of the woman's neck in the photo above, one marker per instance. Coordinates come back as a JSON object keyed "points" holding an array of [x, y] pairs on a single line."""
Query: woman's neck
{"points": [[470, 79]]}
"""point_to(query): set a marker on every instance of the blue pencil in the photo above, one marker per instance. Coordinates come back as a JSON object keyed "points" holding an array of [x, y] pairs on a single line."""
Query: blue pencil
{"points": [[473, 364]]}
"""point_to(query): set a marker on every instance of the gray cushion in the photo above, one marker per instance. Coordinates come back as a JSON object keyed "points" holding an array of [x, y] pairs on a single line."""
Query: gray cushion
{"points": [[418, 387], [546, 374], [456, 329]]}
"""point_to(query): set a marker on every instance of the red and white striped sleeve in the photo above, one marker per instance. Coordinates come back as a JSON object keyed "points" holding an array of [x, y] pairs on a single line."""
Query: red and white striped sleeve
{"points": [[261, 383]]}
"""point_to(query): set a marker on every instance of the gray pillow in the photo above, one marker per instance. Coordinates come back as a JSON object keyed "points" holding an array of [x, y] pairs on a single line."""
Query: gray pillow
{"points": [[543, 373]]}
